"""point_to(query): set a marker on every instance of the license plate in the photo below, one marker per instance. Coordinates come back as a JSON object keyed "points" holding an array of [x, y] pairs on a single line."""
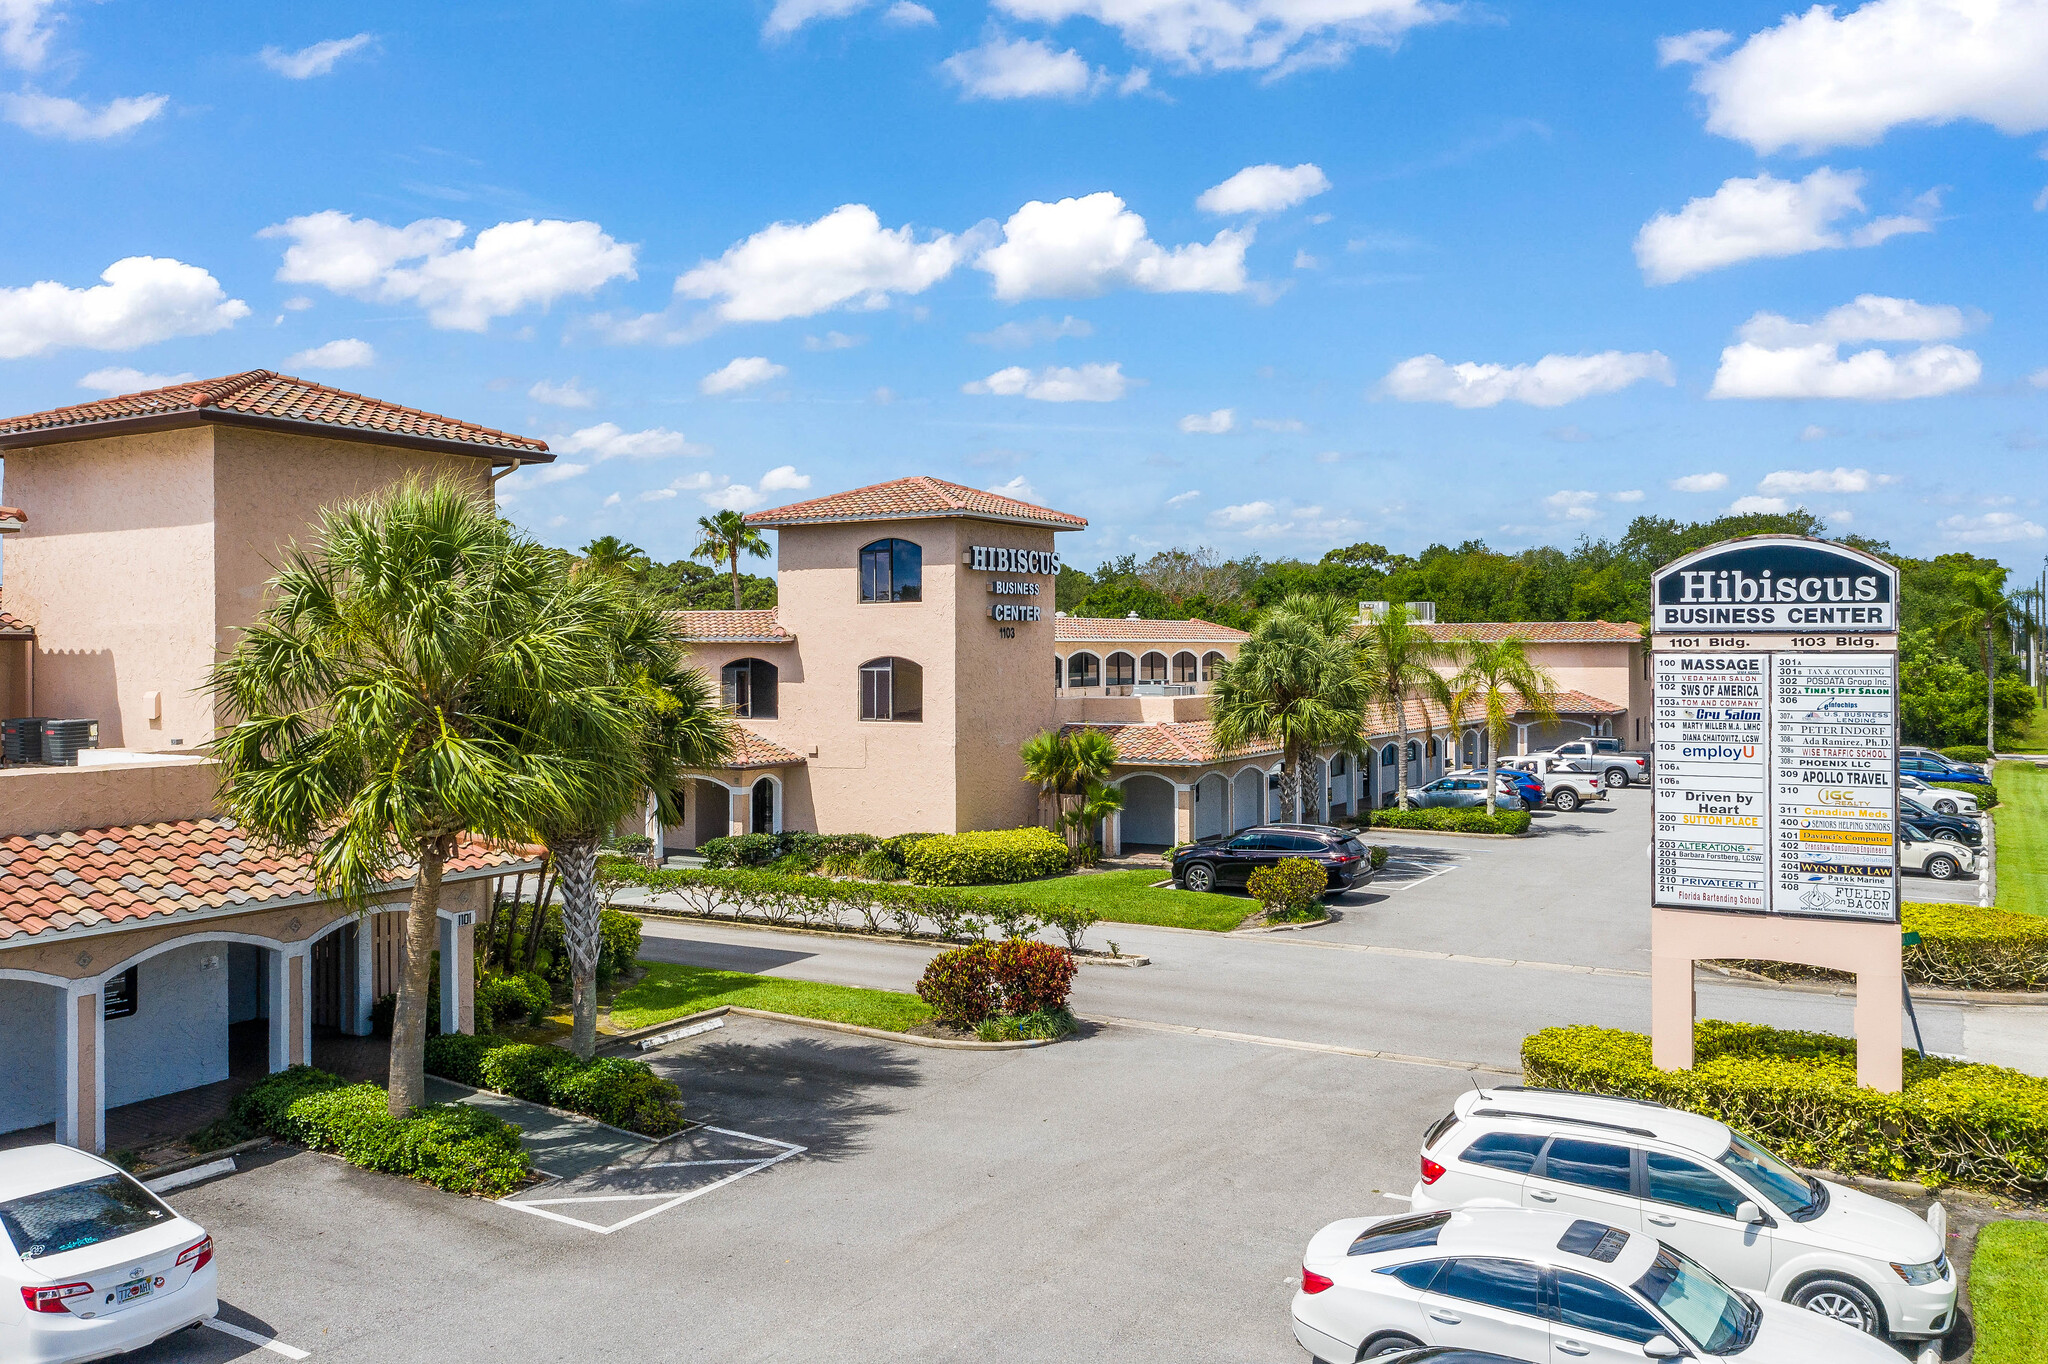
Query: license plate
{"points": [[129, 1292]]}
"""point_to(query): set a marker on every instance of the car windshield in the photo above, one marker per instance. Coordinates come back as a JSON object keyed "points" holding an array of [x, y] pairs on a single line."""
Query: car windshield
{"points": [[79, 1215], [1794, 1193], [1718, 1319]]}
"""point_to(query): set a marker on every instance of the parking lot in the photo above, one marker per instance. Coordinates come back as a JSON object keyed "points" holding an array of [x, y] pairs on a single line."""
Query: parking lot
{"points": [[1141, 1192]]}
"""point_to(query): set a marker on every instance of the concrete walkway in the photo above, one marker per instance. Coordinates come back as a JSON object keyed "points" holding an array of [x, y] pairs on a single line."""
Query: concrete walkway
{"points": [[564, 1145]]}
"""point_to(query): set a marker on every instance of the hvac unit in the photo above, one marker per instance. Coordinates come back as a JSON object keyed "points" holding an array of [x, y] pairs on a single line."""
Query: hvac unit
{"points": [[21, 740], [63, 738]]}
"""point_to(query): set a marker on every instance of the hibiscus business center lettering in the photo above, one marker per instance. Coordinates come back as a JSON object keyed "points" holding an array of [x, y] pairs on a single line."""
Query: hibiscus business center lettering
{"points": [[1777, 584], [1002, 559]]}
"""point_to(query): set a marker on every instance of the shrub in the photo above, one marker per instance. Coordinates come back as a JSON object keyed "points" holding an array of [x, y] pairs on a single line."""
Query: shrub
{"points": [[795, 864], [1072, 921], [631, 845], [1987, 796], [1454, 821], [1083, 855], [1797, 1092], [959, 986], [263, 1104], [1011, 915], [460, 1057], [1291, 885], [1967, 753], [877, 865], [1012, 1027], [843, 864], [1378, 855], [622, 1092], [988, 857], [513, 999], [521, 1069], [619, 934], [1031, 977], [1962, 947]]}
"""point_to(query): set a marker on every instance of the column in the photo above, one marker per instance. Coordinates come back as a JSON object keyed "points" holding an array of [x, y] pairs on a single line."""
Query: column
{"points": [[1674, 1002], [1880, 1030], [82, 1033], [1183, 814], [1113, 834], [451, 978], [278, 966], [362, 974]]}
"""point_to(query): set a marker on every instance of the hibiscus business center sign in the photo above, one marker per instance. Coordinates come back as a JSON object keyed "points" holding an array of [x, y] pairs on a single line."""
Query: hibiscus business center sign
{"points": [[1776, 731]]}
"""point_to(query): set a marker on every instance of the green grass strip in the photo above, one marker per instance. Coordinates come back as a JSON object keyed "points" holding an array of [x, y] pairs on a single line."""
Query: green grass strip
{"points": [[2022, 822], [1128, 897], [2009, 1293], [670, 991]]}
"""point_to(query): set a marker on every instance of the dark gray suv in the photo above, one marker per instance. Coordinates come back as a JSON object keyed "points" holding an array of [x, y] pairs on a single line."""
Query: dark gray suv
{"points": [[1216, 863]]}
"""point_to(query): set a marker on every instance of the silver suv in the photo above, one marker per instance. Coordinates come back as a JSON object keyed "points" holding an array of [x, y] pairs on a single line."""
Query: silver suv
{"points": [[1702, 1187]]}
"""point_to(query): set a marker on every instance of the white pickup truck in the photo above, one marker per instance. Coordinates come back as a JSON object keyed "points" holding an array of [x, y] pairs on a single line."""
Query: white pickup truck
{"points": [[1604, 758], [1564, 788]]}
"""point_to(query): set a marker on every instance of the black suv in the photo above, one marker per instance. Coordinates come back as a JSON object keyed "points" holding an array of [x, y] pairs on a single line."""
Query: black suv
{"points": [[1217, 862], [1954, 828]]}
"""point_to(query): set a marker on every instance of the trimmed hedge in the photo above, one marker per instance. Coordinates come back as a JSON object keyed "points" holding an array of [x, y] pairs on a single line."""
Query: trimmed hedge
{"points": [[1986, 794], [1966, 753], [987, 858], [622, 1092], [1292, 885], [1961, 947], [879, 907], [969, 985], [1797, 1093], [451, 1146], [1454, 821], [809, 850], [510, 999]]}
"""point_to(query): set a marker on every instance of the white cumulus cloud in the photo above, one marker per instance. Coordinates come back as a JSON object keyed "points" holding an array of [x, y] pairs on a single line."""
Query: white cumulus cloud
{"points": [[1775, 357], [1077, 248], [607, 440], [1264, 189], [1763, 216], [1260, 35], [55, 116], [784, 478], [1182, 499], [1215, 423], [1750, 506], [142, 299], [315, 60], [1700, 483], [1243, 514], [1019, 488], [1823, 79], [790, 15], [844, 259], [742, 372], [509, 267], [1551, 381], [1016, 335], [908, 14], [1992, 528], [26, 28], [571, 394], [121, 379], [348, 353], [1836, 480], [1627, 495], [1568, 505], [1022, 68], [1055, 383], [833, 341]]}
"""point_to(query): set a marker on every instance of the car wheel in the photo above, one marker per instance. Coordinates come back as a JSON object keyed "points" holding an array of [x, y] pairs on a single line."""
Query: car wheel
{"points": [[1841, 1300], [1200, 877], [1566, 799], [1379, 1347], [1948, 835], [1942, 867], [1944, 807]]}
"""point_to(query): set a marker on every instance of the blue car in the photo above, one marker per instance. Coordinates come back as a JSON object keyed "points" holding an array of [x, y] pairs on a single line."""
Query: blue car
{"points": [[1527, 783], [1930, 768]]}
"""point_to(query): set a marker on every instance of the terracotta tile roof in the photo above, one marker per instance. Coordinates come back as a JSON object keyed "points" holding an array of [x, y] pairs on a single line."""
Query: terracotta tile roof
{"points": [[1078, 629], [1580, 703], [1541, 631], [260, 397], [733, 627], [14, 514], [13, 627], [908, 497], [89, 878], [751, 750]]}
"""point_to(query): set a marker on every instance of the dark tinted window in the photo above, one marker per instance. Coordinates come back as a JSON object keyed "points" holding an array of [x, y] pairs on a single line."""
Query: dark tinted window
{"points": [[1399, 1233], [1588, 1305], [1594, 1164], [1438, 1128], [1594, 1240], [1416, 1275], [1511, 1285], [891, 570], [79, 1215], [1351, 847], [1303, 843], [1514, 1152], [1673, 1179]]}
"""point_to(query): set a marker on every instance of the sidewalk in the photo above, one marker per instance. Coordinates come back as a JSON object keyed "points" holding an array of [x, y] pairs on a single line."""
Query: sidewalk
{"points": [[564, 1145]]}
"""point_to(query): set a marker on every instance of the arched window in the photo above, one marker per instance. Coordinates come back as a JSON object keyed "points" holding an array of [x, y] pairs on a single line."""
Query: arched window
{"points": [[1414, 750], [1084, 670], [1211, 661], [1387, 756], [747, 686], [891, 689], [891, 570], [1184, 667], [1152, 667], [1339, 765], [1120, 670], [1059, 672]]}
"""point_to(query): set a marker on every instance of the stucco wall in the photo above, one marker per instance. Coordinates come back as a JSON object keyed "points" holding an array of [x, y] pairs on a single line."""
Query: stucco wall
{"points": [[29, 1017], [1004, 688], [35, 800], [178, 1035]]}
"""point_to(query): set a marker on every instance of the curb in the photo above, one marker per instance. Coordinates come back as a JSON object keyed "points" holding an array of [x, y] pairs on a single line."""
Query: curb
{"points": [[1085, 956], [203, 1158], [881, 1034], [1290, 928], [1389, 830], [1989, 998]]}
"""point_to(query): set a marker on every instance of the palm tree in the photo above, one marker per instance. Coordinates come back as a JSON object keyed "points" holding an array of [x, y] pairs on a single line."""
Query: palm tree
{"points": [[1296, 682], [666, 721], [610, 554], [1499, 681], [1984, 608], [365, 706], [1399, 661], [723, 538], [1064, 765]]}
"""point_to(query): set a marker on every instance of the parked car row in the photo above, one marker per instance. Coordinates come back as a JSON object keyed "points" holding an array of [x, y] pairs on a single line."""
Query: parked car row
{"points": [[1550, 1226]]}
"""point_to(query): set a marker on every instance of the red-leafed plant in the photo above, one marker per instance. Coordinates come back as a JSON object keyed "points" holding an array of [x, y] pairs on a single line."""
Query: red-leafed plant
{"points": [[967, 985]]}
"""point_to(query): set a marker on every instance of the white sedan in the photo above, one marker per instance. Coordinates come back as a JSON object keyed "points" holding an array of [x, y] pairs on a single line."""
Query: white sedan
{"points": [[1542, 1287], [93, 1263], [1939, 799]]}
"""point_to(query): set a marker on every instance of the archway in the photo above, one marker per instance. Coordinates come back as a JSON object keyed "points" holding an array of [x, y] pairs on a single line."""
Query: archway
{"points": [[1247, 799], [1212, 806], [1148, 812]]}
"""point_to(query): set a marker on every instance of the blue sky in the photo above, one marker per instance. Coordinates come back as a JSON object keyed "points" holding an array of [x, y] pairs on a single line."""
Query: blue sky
{"points": [[1257, 274]]}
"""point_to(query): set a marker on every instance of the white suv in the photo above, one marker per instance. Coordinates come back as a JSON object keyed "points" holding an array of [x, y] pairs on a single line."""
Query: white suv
{"points": [[1703, 1188]]}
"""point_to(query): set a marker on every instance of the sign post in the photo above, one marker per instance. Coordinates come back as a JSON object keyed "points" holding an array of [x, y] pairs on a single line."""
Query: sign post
{"points": [[1775, 791]]}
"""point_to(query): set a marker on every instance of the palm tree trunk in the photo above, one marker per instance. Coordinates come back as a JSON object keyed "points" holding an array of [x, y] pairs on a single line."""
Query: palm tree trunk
{"points": [[735, 577], [577, 858], [408, 1073], [1990, 695], [1401, 756], [1290, 786], [1492, 780], [537, 922]]}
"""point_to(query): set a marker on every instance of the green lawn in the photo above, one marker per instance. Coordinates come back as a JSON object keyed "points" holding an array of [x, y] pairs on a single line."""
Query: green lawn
{"points": [[1128, 897], [2035, 738], [2022, 822], [2009, 1293], [671, 991]]}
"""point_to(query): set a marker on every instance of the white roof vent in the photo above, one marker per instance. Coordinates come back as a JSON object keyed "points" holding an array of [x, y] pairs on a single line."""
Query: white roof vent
{"points": [[1134, 616]]}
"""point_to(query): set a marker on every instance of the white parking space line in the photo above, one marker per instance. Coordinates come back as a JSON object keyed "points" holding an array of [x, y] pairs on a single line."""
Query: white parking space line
{"points": [[271, 1343], [1296, 940], [544, 1207], [1420, 880], [1290, 1044]]}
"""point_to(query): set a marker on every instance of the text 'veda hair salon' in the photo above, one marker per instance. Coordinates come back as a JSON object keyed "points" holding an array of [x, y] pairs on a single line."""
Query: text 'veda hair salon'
{"points": [[1001, 559], [1778, 587]]}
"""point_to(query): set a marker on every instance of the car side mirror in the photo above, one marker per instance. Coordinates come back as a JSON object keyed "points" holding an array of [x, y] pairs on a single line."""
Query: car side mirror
{"points": [[1746, 1211], [1662, 1347]]}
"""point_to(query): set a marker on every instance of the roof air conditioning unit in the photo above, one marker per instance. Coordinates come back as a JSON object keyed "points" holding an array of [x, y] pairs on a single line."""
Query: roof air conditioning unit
{"points": [[21, 740], [63, 738], [1370, 609], [1423, 611]]}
